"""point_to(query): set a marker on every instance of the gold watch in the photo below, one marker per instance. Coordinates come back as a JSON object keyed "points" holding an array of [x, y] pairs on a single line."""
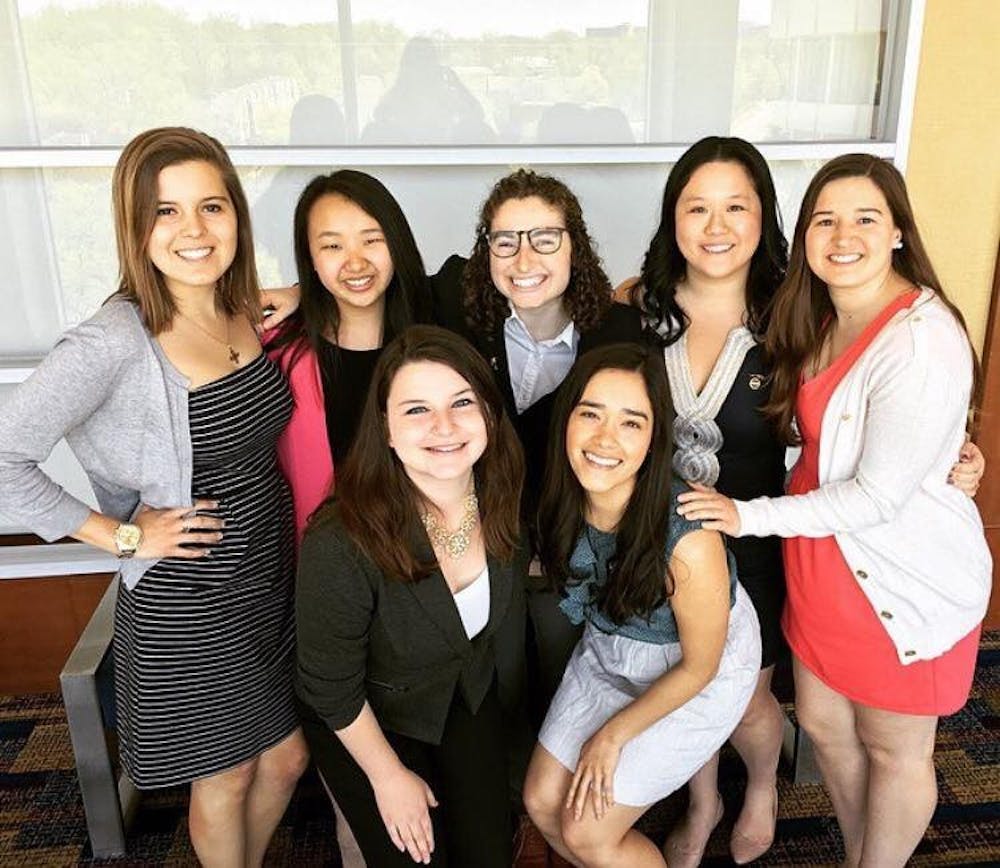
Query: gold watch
{"points": [[128, 537]]}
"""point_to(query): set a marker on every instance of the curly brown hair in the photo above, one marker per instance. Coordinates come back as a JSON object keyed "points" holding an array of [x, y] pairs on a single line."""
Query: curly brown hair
{"points": [[588, 295]]}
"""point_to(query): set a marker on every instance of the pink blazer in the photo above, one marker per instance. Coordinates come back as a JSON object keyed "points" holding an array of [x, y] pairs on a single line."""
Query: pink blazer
{"points": [[304, 446]]}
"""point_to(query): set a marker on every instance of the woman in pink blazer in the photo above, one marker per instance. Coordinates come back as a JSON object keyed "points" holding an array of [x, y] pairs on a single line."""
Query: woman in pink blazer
{"points": [[362, 281]]}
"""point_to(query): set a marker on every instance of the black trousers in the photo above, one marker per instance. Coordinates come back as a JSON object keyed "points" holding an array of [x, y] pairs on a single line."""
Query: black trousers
{"points": [[467, 772], [551, 640]]}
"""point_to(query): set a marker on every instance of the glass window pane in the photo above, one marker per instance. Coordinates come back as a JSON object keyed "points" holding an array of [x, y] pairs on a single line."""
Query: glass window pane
{"points": [[95, 72]]}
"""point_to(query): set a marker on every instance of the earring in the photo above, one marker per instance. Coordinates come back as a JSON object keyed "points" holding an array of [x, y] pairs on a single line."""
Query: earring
{"points": [[898, 245]]}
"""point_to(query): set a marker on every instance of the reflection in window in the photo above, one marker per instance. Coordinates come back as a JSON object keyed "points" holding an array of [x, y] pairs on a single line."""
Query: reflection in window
{"points": [[436, 72]]}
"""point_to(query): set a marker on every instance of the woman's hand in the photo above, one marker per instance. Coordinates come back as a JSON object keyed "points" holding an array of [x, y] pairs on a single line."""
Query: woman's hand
{"points": [[180, 532], [278, 305], [715, 511], [968, 472], [595, 773], [404, 800]]}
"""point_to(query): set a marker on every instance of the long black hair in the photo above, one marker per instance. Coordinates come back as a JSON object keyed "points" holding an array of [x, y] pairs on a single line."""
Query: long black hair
{"points": [[407, 297], [664, 265], [638, 577]]}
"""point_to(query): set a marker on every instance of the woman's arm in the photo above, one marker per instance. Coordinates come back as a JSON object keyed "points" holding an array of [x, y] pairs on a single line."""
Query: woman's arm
{"points": [[67, 388], [403, 797], [916, 408], [278, 304], [700, 604], [335, 605]]}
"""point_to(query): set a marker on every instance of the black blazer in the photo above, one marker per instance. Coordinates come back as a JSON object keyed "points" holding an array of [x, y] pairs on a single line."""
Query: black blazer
{"points": [[622, 324], [400, 646]]}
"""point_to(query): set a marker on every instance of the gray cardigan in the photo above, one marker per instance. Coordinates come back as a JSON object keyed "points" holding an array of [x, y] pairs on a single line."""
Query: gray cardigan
{"points": [[122, 406]]}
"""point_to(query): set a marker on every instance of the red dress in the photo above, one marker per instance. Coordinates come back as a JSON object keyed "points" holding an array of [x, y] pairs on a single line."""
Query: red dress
{"points": [[828, 622]]}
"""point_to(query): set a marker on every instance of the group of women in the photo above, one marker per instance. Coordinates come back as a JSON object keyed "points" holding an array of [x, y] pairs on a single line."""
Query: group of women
{"points": [[536, 528]]}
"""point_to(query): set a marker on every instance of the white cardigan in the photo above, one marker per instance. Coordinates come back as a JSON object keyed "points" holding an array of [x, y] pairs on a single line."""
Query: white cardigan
{"points": [[891, 431]]}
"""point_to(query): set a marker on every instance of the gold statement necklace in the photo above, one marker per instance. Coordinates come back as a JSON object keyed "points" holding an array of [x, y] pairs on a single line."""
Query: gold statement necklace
{"points": [[234, 354], [454, 543]]}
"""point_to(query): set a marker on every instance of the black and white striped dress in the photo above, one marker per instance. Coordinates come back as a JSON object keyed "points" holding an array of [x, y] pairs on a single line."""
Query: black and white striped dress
{"points": [[204, 649]]}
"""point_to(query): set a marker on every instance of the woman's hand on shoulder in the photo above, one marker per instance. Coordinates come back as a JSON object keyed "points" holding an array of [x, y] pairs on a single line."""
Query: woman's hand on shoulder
{"points": [[595, 773], [404, 801], [967, 472], [182, 532], [623, 292], [279, 303], [714, 510]]}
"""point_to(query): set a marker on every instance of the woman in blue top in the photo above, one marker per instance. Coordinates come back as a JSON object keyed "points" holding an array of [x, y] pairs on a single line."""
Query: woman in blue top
{"points": [[671, 648]]}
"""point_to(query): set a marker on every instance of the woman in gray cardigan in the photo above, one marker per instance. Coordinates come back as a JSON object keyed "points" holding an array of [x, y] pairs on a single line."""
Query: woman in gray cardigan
{"points": [[172, 409]]}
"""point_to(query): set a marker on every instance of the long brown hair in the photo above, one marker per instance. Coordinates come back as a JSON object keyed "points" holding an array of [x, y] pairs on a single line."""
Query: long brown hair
{"points": [[803, 312], [588, 295], [379, 504], [134, 194]]}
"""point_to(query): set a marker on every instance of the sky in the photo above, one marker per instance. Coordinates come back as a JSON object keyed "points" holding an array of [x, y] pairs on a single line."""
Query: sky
{"points": [[516, 17]]}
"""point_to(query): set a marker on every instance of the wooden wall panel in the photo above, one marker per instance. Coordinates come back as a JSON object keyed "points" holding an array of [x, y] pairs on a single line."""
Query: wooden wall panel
{"points": [[987, 436], [40, 621]]}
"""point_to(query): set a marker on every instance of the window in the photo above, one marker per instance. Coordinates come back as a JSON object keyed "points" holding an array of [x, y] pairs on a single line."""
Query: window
{"points": [[438, 99]]}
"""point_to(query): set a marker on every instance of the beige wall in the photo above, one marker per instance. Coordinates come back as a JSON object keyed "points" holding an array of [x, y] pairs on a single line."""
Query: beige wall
{"points": [[953, 172]]}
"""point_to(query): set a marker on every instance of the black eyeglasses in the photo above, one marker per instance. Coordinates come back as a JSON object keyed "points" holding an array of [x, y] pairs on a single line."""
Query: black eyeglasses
{"points": [[506, 242]]}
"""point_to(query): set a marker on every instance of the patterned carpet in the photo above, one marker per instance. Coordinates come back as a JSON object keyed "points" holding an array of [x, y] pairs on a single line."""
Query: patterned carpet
{"points": [[42, 822]]}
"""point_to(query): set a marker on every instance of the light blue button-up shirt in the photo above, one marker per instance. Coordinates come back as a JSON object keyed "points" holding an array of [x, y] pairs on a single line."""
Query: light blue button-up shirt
{"points": [[537, 367]]}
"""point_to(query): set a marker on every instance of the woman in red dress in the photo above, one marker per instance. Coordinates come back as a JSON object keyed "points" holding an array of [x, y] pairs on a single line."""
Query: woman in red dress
{"points": [[888, 572]]}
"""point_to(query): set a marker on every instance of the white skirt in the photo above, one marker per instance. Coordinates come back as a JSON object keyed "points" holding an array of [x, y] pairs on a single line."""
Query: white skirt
{"points": [[607, 672]]}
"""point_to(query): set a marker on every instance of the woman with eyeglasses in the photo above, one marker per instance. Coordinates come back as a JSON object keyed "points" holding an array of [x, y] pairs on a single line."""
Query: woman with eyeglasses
{"points": [[532, 298]]}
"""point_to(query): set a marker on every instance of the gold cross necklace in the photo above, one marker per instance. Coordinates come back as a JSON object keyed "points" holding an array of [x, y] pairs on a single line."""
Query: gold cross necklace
{"points": [[234, 354]]}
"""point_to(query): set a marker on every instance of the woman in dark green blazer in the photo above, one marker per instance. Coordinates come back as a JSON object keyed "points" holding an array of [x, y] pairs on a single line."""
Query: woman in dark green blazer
{"points": [[411, 612]]}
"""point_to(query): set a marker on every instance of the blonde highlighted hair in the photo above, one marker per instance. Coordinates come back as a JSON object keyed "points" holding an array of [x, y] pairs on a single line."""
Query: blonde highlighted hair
{"points": [[134, 193]]}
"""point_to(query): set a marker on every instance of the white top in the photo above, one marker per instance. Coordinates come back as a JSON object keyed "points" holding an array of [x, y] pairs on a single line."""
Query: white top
{"points": [[473, 603], [890, 433], [537, 367]]}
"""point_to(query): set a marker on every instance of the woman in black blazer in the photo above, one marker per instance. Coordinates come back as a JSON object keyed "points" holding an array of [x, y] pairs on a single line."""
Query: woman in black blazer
{"points": [[532, 297], [410, 611]]}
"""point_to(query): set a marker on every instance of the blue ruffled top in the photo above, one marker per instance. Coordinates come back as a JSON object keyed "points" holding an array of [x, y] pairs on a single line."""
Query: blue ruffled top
{"points": [[589, 566]]}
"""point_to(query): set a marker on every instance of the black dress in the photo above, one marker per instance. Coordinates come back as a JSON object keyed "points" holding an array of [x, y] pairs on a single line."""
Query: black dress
{"points": [[204, 648], [746, 456], [346, 374]]}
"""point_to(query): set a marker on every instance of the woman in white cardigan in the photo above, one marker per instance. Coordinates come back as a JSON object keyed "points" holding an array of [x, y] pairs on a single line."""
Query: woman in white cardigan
{"points": [[887, 568]]}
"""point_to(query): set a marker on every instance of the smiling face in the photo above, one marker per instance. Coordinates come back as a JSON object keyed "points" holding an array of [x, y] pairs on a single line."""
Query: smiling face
{"points": [[608, 435], [530, 280], [349, 252], [850, 235], [718, 220], [435, 421], [193, 240]]}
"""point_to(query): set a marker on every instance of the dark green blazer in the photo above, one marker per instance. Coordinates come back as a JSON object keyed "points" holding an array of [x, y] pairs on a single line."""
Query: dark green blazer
{"points": [[400, 645]]}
